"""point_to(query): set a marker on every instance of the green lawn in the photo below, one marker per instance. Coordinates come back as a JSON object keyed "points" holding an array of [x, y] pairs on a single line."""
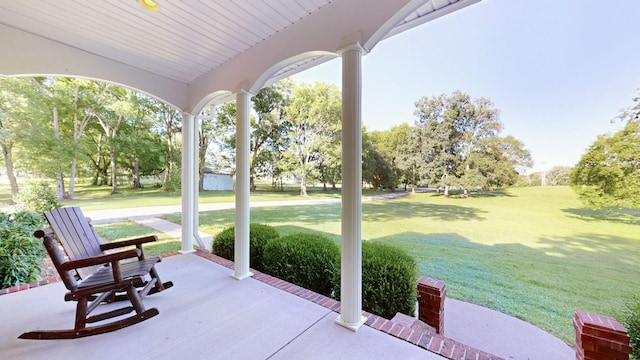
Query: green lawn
{"points": [[128, 229], [534, 253], [91, 197]]}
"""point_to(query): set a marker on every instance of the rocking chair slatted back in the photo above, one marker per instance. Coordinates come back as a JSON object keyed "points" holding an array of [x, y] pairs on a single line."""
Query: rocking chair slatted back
{"points": [[77, 236]]}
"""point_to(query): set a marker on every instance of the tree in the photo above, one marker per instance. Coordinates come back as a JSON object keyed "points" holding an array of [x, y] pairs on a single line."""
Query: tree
{"points": [[118, 109], [142, 151], [493, 163], [14, 99], [459, 145], [314, 114], [270, 125], [403, 147], [169, 123], [377, 160], [608, 174], [558, 176]]}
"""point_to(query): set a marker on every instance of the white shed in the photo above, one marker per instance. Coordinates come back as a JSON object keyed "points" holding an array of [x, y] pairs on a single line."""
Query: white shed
{"points": [[217, 181]]}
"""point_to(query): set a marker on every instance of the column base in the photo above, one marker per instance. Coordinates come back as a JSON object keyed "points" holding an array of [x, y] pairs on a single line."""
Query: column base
{"points": [[187, 251], [242, 276], [353, 326]]}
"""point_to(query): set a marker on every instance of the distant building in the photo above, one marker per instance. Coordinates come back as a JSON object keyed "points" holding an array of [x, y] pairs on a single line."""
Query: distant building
{"points": [[216, 181]]}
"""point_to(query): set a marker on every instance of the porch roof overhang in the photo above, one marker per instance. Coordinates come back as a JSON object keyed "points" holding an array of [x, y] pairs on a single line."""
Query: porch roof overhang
{"points": [[190, 53]]}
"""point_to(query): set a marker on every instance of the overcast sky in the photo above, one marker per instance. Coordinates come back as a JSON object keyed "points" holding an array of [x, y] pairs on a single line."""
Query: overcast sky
{"points": [[557, 70]]}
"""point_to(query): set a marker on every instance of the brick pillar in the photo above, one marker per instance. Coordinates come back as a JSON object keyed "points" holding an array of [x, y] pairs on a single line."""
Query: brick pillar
{"points": [[431, 295], [599, 337]]}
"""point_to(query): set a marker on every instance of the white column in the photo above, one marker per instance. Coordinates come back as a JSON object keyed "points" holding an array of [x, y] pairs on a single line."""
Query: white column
{"points": [[196, 183], [188, 171], [351, 266], [241, 250]]}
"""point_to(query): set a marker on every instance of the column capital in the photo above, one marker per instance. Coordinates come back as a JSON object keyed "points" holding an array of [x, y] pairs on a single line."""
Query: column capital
{"points": [[241, 89], [351, 42]]}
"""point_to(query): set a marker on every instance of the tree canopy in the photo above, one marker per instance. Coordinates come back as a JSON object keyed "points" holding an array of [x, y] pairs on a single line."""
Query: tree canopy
{"points": [[109, 133], [608, 174], [459, 145]]}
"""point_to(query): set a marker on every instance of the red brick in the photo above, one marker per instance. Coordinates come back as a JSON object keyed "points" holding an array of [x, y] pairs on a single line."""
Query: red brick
{"points": [[600, 337], [597, 355], [447, 349], [598, 321], [414, 337], [595, 343], [386, 326], [378, 323], [609, 335], [406, 331], [424, 341], [396, 329], [436, 344]]}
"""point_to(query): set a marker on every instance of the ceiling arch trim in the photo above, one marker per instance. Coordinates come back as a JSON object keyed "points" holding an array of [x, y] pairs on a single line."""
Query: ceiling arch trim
{"points": [[28, 54], [291, 66]]}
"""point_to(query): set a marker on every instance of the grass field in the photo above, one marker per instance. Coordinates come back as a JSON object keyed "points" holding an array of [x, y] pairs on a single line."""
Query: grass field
{"points": [[100, 197], [535, 253]]}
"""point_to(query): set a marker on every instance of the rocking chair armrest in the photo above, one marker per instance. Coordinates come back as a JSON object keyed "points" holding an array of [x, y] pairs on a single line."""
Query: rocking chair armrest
{"points": [[41, 233], [129, 242], [99, 260]]}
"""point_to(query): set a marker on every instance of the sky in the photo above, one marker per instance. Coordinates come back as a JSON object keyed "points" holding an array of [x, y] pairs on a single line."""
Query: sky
{"points": [[558, 71]]}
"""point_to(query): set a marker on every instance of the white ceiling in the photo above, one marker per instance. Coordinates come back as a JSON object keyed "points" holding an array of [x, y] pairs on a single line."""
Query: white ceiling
{"points": [[190, 52]]}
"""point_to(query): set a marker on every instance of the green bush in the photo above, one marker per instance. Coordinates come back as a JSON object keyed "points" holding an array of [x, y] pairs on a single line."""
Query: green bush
{"points": [[38, 197], [21, 254], [308, 260], [630, 318], [259, 235], [389, 280]]}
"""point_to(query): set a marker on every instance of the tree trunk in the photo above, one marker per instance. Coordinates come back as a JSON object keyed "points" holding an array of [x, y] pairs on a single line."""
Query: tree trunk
{"points": [[56, 133], [72, 177], [114, 182], [8, 164], [168, 169], [252, 169], [252, 181], [303, 186], [136, 174], [201, 162]]}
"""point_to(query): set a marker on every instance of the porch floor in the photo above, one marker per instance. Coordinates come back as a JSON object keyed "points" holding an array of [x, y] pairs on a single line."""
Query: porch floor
{"points": [[207, 314]]}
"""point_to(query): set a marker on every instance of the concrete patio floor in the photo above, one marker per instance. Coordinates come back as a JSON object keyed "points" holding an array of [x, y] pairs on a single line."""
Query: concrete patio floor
{"points": [[206, 315]]}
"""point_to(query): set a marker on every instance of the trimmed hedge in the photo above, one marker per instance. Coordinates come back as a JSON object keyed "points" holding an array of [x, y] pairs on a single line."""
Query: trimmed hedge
{"points": [[259, 235], [630, 318], [21, 254], [389, 280], [308, 260]]}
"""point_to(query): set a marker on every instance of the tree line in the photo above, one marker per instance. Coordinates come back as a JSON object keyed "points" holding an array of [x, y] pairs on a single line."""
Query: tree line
{"points": [[67, 128]]}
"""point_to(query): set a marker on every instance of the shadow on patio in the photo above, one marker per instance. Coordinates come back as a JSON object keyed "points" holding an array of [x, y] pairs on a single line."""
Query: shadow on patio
{"points": [[207, 314]]}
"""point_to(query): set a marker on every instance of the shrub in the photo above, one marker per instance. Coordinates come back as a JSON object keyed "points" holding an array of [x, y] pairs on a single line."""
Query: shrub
{"points": [[259, 235], [630, 318], [308, 260], [38, 197], [21, 254], [389, 280]]}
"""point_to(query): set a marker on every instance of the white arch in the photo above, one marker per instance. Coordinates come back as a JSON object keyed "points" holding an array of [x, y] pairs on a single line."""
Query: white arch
{"points": [[215, 98], [71, 75], [301, 62]]}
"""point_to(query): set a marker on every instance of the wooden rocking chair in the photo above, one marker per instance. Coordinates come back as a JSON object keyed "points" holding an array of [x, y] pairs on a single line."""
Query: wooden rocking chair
{"points": [[93, 276]]}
